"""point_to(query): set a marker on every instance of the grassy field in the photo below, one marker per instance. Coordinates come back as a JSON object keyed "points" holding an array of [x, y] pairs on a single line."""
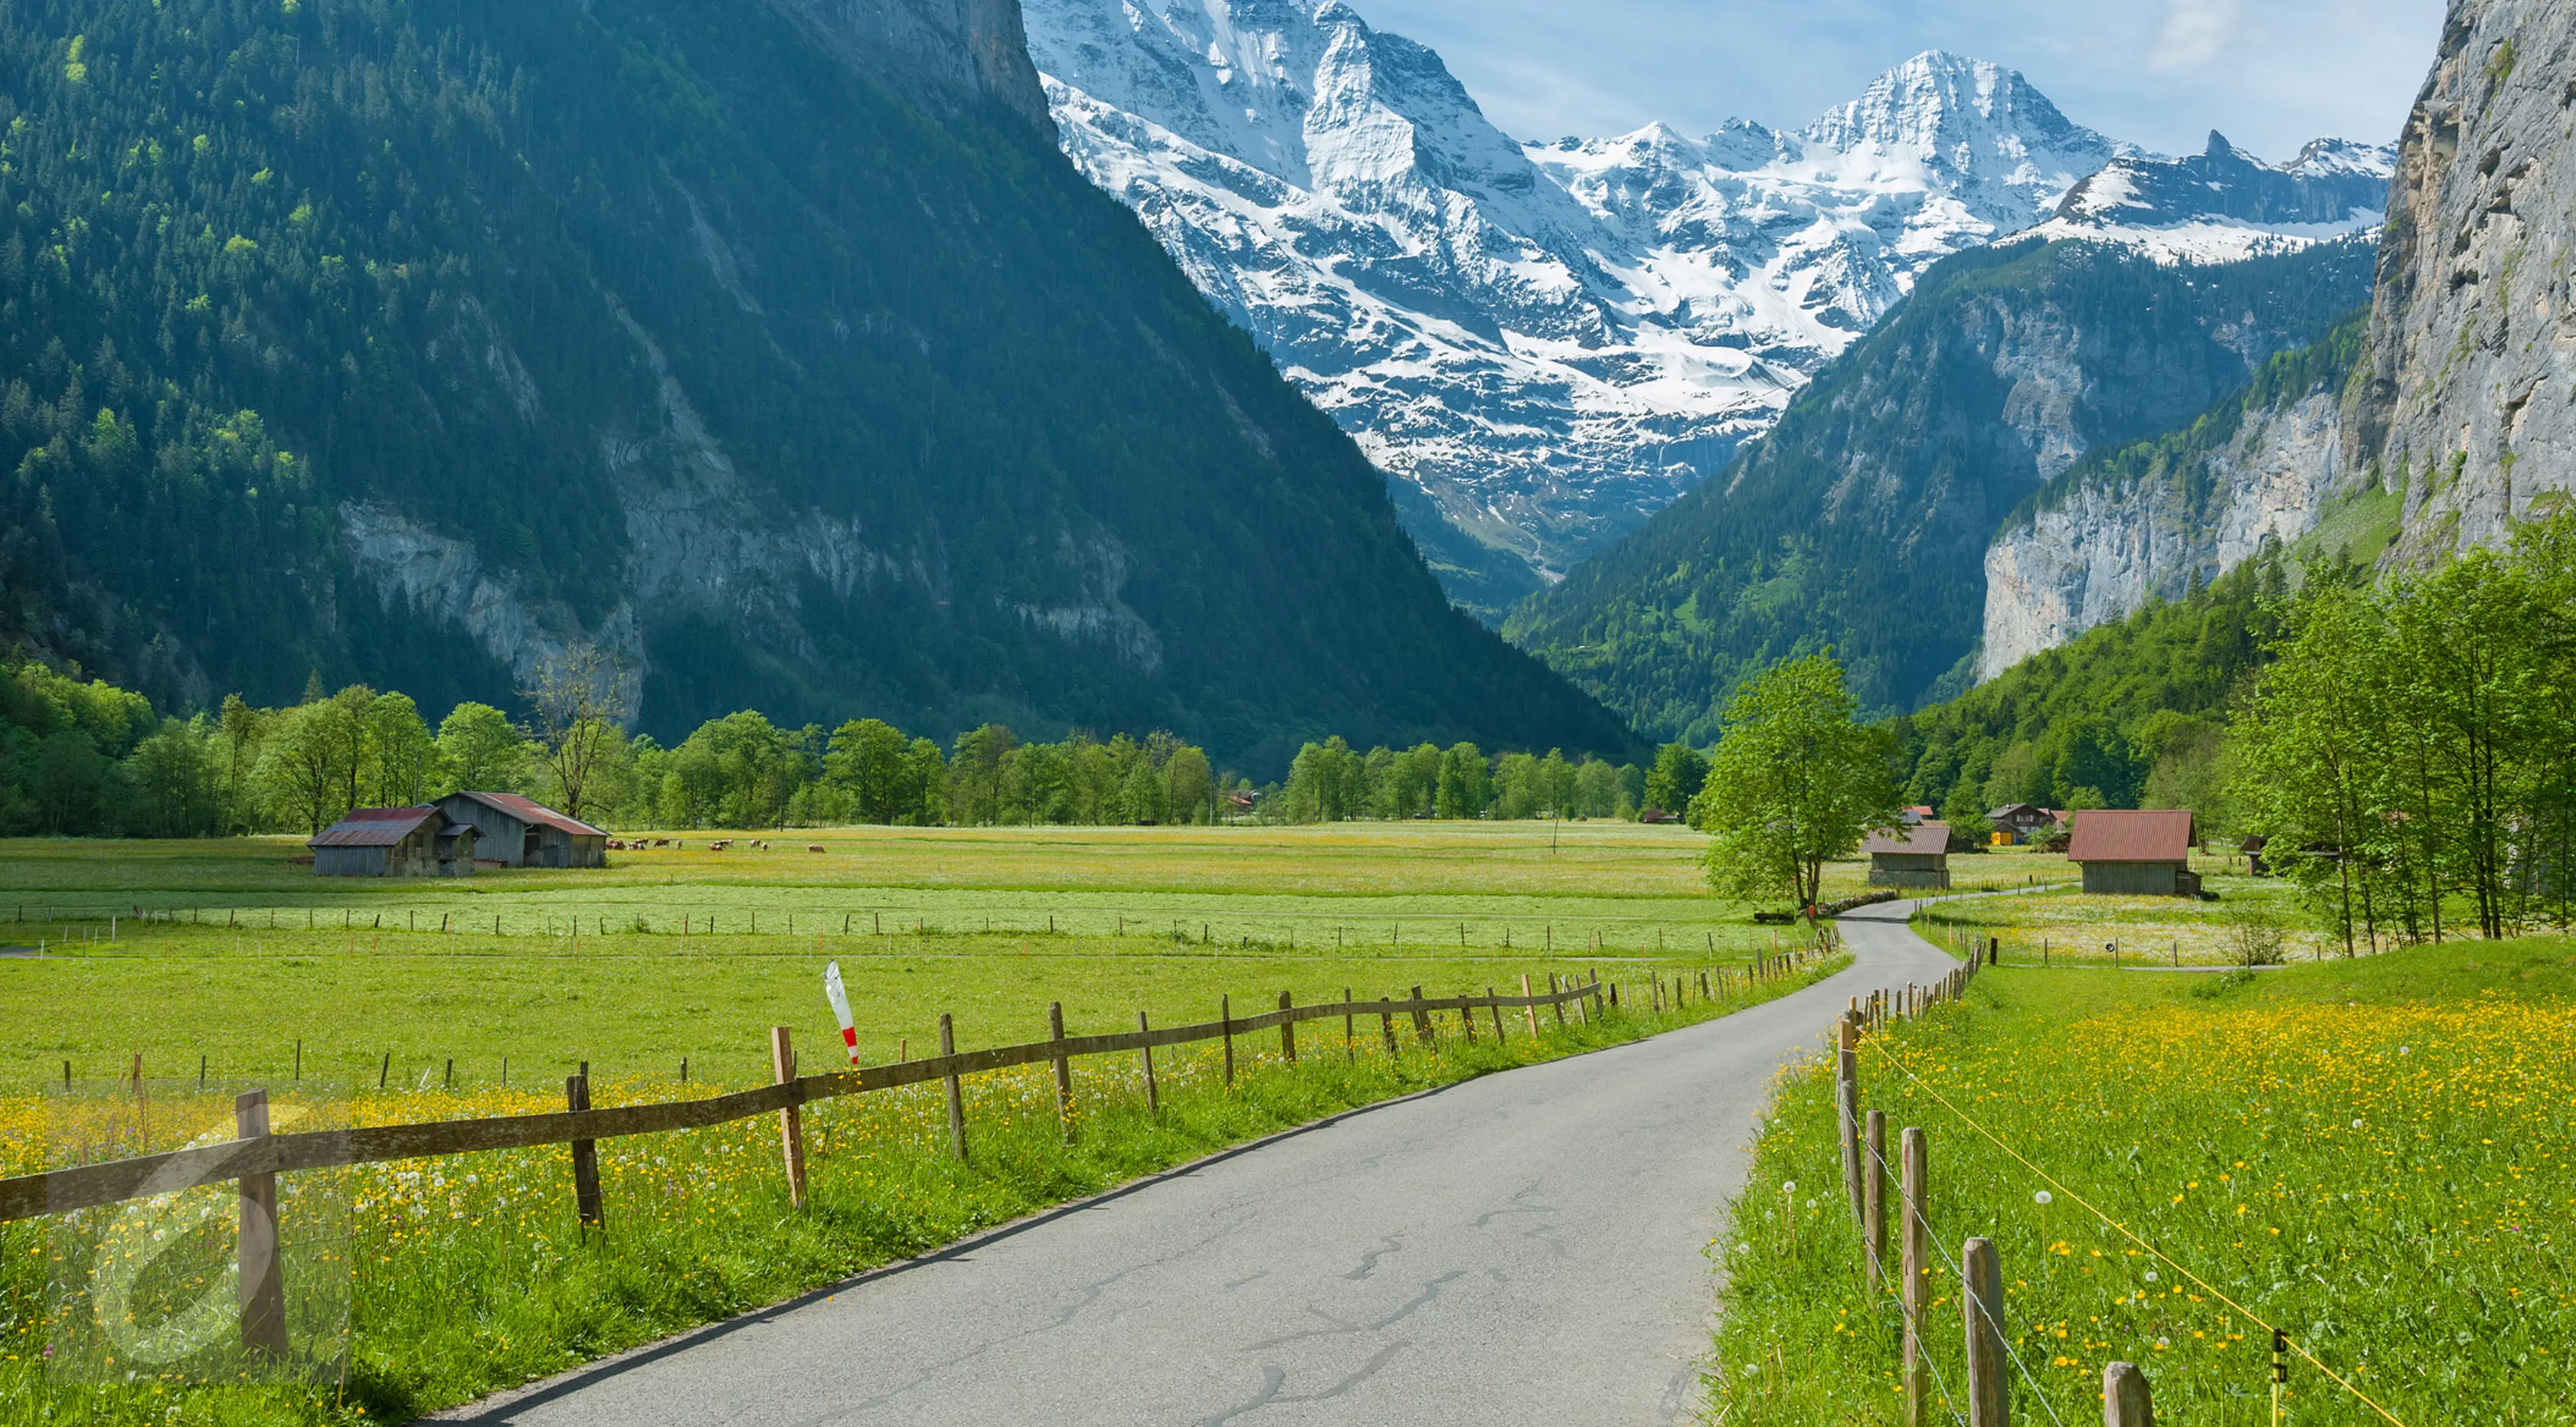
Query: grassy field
{"points": [[1164, 921], [2061, 926], [1352, 885], [245, 956], [463, 1276], [2372, 1154]]}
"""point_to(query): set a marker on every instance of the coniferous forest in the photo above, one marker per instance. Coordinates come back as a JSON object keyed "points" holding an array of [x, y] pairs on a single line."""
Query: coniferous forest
{"points": [[396, 343]]}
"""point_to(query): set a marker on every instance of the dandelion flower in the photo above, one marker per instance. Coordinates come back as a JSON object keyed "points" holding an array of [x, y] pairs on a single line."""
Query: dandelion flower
{"points": [[2043, 1198]]}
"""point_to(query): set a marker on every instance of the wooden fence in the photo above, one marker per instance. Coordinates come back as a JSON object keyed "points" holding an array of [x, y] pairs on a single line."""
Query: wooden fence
{"points": [[1984, 1397], [253, 1154]]}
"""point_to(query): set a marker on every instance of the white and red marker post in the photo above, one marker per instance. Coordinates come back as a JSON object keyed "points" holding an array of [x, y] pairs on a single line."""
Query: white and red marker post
{"points": [[840, 999]]}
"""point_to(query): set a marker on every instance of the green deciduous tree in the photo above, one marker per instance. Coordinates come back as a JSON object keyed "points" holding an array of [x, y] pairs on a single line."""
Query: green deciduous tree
{"points": [[1679, 772], [1795, 783], [481, 751]]}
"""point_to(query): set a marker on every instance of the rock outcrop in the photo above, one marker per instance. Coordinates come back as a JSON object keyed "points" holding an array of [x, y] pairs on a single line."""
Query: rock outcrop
{"points": [[2469, 402], [2155, 521]]}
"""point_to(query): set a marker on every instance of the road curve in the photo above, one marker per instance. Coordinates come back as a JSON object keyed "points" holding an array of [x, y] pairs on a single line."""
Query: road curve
{"points": [[1522, 1248]]}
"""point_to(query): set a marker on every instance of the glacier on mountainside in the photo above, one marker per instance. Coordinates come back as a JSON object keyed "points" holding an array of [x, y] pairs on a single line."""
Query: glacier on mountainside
{"points": [[2225, 204], [1549, 341]]}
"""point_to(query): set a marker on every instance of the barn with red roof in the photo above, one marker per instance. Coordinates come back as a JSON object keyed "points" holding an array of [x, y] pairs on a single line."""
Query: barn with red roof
{"points": [[522, 832], [2138, 854]]}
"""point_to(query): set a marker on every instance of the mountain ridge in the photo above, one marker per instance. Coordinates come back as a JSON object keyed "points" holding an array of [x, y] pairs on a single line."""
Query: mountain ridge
{"points": [[1544, 376]]}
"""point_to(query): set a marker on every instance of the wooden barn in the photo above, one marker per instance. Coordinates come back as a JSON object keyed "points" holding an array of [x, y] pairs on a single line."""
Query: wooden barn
{"points": [[395, 842], [2135, 854], [521, 832], [1916, 856]]}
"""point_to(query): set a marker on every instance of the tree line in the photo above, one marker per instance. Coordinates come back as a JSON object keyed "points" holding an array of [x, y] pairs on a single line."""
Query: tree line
{"points": [[2410, 752], [84, 757]]}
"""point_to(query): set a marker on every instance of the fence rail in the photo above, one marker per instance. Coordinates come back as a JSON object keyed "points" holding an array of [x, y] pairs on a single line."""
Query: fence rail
{"points": [[90, 1186]]}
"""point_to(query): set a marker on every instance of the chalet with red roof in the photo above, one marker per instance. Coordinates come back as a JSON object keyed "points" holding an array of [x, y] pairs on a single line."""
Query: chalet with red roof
{"points": [[395, 842], [2136, 854], [522, 832]]}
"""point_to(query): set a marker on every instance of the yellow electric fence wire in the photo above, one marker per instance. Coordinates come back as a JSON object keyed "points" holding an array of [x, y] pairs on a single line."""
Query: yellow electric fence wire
{"points": [[2205, 1286]]}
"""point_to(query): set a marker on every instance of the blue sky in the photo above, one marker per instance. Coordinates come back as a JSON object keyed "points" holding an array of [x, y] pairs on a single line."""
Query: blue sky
{"points": [[2271, 74]]}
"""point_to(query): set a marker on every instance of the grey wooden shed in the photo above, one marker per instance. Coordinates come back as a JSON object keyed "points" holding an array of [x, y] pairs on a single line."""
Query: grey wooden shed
{"points": [[522, 832], [395, 842]]}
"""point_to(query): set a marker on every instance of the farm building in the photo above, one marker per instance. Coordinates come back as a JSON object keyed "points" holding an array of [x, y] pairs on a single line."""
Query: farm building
{"points": [[395, 842], [2021, 821], [2135, 854], [1916, 856], [521, 832]]}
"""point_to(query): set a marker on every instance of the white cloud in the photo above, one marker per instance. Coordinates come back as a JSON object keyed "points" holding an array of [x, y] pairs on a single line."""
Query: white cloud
{"points": [[2194, 32]]}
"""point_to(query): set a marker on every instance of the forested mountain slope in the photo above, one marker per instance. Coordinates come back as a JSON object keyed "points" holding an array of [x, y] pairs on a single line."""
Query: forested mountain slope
{"points": [[772, 346], [2129, 714], [1861, 522]]}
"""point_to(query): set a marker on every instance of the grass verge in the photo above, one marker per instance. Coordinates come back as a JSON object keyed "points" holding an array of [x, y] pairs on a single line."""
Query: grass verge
{"points": [[468, 1275], [2374, 1155]]}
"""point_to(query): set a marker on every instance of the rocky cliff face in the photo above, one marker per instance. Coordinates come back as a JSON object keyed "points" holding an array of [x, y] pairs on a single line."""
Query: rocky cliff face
{"points": [[931, 48], [2464, 405], [2470, 402], [2111, 537]]}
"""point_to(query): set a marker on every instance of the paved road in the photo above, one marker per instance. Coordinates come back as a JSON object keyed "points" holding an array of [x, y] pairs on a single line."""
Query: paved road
{"points": [[1523, 1248]]}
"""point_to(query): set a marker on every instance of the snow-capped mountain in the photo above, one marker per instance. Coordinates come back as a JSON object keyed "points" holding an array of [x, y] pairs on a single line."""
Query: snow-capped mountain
{"points": [[1549, 341], [2226, 204]]}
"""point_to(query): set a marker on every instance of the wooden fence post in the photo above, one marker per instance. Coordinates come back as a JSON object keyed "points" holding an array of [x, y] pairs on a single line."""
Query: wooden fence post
{"points": [[2125, 1400], [263, 1278], [1529, 1014], [1874, 1198], [1350, 1028], [956, 1092], [1287, 1028], [1915, 1262], [1421, 1019], [1153, 1097], [1596, 992], [1063, 1070], [1495, 1006], [1467, 1018], [1225, 1021], [1386, 1024], [1847, 1108], [585, 1157], [1982, 1308], [791, 1118]]}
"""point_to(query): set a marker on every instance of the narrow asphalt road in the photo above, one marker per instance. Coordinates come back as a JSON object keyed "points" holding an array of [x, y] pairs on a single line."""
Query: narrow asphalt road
{"points": [[1523, 1248]]}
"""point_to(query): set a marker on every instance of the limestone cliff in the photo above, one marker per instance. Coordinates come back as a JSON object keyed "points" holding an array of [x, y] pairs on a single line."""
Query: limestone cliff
{"points": [[2463, 403], [2158, 518], [2469, 402]]}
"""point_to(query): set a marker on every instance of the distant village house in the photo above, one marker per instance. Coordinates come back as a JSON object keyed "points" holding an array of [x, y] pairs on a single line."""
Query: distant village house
{"points": [[2021, 822], [521, 832], [2135, 854], [1917, 856], [395, 842]]}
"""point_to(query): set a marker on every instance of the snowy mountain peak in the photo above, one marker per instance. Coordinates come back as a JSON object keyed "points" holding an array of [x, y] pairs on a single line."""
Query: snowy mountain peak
{"points": [[1541, 344], [2333, 156], [2225, 203], [1969, 115]]}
